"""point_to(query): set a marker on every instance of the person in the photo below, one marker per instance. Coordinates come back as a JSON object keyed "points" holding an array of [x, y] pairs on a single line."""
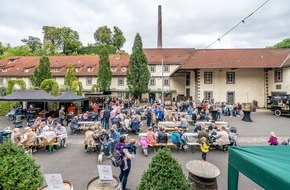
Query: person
{"points": [[198, 127], [222, 137], [50, 122], [43, 127], [104, 140], [204, 147], [183, 122], [74, 125], [95, 108], [114, 138], [30, 113], [89, 139], [123, 177], [16, 137], [71, 109], [85, 116], [151, 137], [131, 149], [159, 114], [149, 116], [176, 138], [106, 117], [162, 137], [144, 145], [61, 134], [273, 139], [203, 134], [49, 136], [29, 139], [212, 127], [61, 115], [135, 124]]}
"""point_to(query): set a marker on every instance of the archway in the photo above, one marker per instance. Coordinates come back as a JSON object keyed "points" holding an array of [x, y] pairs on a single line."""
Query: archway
{"points": [[11, 84], [50, 85]]}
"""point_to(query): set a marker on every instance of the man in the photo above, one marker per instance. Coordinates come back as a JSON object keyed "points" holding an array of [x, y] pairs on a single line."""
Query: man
{"points": [[30, 113], [61, 134], [114, 138], [29, 138], [95, 108], [71, 109], [204, 134], [61, 115], [73, 125], [106, 118]]}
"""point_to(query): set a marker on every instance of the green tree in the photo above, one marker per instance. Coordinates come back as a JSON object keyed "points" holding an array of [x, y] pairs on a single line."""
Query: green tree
{"points": [[138, 75], [118, 38], [284, 44], [164, 172], [94, 49], [103, 35], [33, 43], [104, 72], [70, 76], [2, 49], [18, 170], [42, 72], [50, 85], [17, 51]]}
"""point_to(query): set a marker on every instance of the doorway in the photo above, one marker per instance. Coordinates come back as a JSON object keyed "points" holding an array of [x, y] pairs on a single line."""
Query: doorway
{"points": [[231, 97]]}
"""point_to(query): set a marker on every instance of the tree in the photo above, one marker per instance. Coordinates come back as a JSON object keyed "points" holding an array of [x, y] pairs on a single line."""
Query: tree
{"points": [[94, 49], [118, 38], [138, 75], [104, 72], [11, 84], [50, 85], [2, 48], [284, 44], [103, 35], [33, 43], [18, 170], [70, 76], [42, 72], [164, 172]]}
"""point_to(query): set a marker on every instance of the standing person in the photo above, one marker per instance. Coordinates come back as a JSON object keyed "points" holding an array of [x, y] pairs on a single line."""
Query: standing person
{"points": [[106, 118], [123, 177], [30, 113], [149, 116], [273, 139], [71, 109], [61, 115], [204, 147]]}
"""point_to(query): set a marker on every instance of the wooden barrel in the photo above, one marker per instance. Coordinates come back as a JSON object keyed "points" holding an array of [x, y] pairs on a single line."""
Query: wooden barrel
{"points": [[95, 184], [67, 185]]}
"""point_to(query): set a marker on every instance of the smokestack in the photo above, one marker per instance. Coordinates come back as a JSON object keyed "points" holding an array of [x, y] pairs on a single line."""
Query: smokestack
{"points": [[159, 39]]}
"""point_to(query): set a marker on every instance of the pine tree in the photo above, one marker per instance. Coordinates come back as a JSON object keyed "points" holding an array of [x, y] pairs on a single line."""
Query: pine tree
{"points": [[138, 75], [164, 172], [70, 76], [42, 72], [104, 71]]}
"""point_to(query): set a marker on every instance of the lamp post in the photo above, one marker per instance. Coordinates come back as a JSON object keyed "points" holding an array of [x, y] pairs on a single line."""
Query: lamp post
{"points": [[162, 90]]}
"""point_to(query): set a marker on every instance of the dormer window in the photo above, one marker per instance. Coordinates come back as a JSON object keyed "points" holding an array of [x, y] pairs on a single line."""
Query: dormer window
{"points": [[90, 69], [56, 70], [4, 69], [113, 69], [77, 69], [123, 69], [26, 70]]}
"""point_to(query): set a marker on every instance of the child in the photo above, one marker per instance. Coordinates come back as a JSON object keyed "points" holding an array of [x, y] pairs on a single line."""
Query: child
{"points": [[131, 149], [273, 139], [144, 145], [204, 147]]}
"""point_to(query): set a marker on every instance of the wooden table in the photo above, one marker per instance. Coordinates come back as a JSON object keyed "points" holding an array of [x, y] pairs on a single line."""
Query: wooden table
{"points": [[247, 116], [169, 124], [202, 174]]}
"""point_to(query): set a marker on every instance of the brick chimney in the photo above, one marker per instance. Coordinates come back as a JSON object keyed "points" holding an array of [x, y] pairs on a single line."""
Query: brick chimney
{"points": [[159, 37]]}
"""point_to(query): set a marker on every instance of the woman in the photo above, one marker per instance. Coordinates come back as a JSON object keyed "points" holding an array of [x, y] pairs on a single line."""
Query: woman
{"points": [[16, 137], [151, 137], [124, 153]]}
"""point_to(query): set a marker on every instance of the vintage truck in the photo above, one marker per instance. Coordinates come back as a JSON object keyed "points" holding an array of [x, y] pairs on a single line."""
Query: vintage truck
{"points": [[280, 105]]}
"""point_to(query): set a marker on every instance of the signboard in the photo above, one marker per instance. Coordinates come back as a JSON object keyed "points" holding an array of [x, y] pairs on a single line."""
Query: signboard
{"points": [[105, 172], [54, 181]]}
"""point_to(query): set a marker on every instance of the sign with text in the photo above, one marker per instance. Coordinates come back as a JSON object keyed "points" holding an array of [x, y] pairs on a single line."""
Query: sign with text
{"points": [[54, 181], [105, 172]]}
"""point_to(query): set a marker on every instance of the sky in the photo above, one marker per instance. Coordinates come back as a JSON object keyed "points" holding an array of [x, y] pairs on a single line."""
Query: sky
{"points": [[185, 23]]}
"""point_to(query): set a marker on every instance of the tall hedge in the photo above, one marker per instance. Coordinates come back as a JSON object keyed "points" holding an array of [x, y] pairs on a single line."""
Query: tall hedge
{"points": [[164, 172], [18, 170]]}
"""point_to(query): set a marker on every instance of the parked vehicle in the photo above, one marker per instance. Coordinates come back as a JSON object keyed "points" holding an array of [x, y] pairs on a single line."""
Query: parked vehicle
{"points": [[280, 105]]}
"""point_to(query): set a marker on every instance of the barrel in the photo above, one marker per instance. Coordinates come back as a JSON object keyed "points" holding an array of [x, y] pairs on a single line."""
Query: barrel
{"points": [[67, 185], [95, 184]]}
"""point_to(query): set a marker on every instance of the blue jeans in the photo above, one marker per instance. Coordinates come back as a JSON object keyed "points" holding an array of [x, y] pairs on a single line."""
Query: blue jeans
{"points": [[124, 175], [148, 121]]}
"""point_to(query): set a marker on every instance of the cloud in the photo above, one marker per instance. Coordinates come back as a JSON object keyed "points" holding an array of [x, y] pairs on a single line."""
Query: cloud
{"points": [[187, 23]]}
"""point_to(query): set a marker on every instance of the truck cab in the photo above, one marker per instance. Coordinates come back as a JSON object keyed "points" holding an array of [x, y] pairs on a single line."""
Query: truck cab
{"points": [[280, 105]]}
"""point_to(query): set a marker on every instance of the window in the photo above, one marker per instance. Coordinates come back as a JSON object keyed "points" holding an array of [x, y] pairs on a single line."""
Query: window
{"points": [[120, 81], [26, 70], [4, 69], [278, 75], [152, 82], [89, 69], [152, 68], [187, 92], [1, 80], [165, 68], [123, 69], [166, 82], [207, 77], [187, 82], [113, 69], [208, 95], [77, 69], [230, 78], [56, 69], [89, 81]]}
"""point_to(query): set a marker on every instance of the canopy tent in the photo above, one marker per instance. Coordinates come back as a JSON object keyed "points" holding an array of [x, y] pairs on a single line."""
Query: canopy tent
{"points": [[29, 96], [268, 166], [69, 96]]}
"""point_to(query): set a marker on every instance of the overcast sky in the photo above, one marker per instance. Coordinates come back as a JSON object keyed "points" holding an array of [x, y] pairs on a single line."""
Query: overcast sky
{"points": [[186, 23]]}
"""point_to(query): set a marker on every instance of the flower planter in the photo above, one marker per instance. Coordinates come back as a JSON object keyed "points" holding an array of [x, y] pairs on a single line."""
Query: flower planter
{"points": [[95, 184], [67, 185]]}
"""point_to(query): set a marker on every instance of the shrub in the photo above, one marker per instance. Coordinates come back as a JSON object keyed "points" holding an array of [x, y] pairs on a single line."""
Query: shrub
{"points": [[18, 170], [164, 172], [6, 107]]}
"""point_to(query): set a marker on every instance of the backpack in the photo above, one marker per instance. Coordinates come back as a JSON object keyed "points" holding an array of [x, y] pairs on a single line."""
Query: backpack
{"points": [[117, 158]]}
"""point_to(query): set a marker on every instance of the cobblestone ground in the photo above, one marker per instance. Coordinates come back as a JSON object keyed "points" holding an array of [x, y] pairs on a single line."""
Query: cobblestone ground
{"points": [[79, 167]]}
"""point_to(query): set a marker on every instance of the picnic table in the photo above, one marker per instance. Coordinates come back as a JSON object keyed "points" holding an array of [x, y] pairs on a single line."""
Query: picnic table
{"points": [[169, 124]]}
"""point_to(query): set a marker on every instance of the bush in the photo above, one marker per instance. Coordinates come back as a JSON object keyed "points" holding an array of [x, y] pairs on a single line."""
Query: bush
{"points": [[18, 170], [6, 107], [164, 172]]}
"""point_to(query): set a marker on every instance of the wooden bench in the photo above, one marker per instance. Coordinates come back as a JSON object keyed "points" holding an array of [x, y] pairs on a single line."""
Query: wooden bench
{"points": [[156, 145], [192, 144], [172, 129]]}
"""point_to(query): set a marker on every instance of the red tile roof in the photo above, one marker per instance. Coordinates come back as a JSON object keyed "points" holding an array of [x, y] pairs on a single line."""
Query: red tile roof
{"points": [[237, 58]]}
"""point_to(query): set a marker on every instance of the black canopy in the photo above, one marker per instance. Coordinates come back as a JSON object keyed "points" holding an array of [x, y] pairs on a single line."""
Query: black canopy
{"points": [[69, 96], [29, 96]]}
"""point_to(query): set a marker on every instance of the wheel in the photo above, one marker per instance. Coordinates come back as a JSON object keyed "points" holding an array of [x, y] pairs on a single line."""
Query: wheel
{"points": [[277, 113]]}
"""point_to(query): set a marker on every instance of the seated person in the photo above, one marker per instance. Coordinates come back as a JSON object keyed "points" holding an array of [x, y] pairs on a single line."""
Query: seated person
{"points": [[176, 138], [113, 140], [203, 133], [89, 139], [162, 136], [151, 137], [85, 116], [43, 127], [135, 124], [104, 140], [16, 137], [74, 125], [29, 139], [198, 127], [222, 137], [212, 127], [61, 134], [212, 135], [131, 149], [183, 122], [50, 122]]}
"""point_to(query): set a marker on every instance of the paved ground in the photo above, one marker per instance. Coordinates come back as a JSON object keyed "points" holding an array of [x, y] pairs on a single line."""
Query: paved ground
{"points": [[74, 164]]}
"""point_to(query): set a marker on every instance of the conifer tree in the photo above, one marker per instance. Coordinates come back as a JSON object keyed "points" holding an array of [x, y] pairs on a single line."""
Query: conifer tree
{"points": [[164, 172], [138, 75], [42, 72], [104, 71]]}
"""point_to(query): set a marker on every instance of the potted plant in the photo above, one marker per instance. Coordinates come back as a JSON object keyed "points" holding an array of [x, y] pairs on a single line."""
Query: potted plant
{"points": [[18, 170], [164, 172]]}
